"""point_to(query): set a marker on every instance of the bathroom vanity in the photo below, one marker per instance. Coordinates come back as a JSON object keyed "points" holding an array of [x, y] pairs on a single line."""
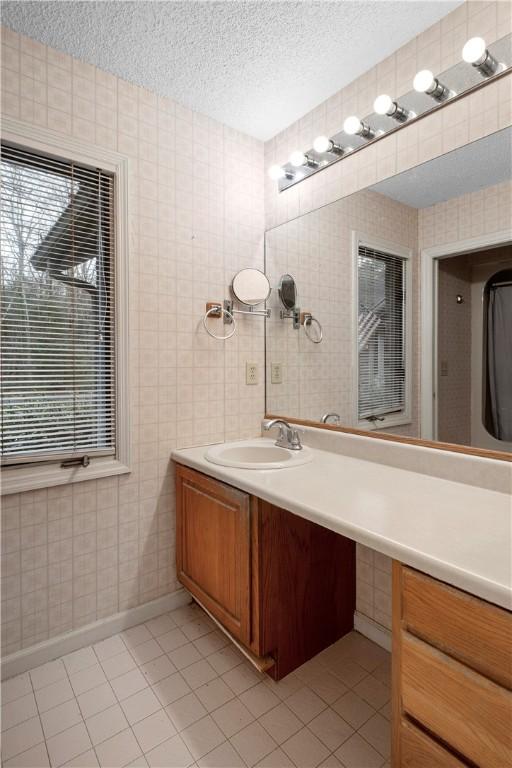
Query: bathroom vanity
{"points": [[270, 556], [282, 587]]}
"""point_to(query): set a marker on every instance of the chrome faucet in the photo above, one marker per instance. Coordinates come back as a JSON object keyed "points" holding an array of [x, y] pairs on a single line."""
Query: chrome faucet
{"points": [[288, 437], [335, 417]]}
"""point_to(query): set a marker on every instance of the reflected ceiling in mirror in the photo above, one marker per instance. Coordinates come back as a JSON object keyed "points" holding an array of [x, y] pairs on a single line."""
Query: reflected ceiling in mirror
{"points": [[432, 237]]}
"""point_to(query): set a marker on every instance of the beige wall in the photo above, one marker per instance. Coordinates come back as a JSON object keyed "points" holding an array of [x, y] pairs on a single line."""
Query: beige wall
{"points": [[76, 553]]}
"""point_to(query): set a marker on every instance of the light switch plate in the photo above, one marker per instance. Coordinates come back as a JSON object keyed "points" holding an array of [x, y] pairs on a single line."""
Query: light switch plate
{"points": [[276, 373], [251, 373]]}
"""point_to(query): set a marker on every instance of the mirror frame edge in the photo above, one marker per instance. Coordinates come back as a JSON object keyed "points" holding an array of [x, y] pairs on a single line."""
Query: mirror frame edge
{"points": [[485, 453]]}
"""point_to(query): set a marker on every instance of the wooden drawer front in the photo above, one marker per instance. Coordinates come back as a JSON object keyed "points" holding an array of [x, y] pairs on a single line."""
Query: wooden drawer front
{"points": [[213, 548], [471, 630], [467, 711], [420, 751]]}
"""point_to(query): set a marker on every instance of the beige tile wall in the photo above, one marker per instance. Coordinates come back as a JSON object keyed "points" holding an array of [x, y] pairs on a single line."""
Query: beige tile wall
{"points": [[76, 553]]}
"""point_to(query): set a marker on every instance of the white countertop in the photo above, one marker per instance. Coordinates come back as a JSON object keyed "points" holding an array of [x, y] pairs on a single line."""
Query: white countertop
{"points": [[458, 533]]}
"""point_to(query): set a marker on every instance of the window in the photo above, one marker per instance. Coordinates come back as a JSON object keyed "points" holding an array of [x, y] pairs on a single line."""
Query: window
{"points": [[59, 356], [383, 329]]}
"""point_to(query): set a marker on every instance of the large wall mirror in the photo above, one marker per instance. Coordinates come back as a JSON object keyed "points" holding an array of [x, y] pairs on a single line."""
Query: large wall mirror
{"points": [[408, 287]]}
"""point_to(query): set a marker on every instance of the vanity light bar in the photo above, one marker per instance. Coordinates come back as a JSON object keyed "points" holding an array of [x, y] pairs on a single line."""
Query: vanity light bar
{"points": [[328, 150]]}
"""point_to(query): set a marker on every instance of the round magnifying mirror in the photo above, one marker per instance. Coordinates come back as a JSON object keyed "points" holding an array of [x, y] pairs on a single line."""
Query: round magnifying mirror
{"points": [[251, 287], [288, 292]]}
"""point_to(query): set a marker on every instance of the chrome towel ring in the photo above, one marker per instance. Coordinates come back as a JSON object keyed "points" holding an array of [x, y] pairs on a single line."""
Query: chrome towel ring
{"points": [[309, 323], [229, 318]]}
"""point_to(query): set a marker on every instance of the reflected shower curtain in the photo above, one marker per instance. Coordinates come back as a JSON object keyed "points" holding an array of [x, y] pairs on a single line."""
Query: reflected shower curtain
{"points": [[499, 359]]}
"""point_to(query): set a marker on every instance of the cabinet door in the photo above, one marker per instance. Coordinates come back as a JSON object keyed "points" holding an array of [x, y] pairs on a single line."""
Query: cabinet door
{"points": [[213, 548]]}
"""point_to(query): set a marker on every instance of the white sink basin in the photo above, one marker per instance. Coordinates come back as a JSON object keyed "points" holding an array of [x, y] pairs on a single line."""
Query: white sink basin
{"points": [[256, 454]]}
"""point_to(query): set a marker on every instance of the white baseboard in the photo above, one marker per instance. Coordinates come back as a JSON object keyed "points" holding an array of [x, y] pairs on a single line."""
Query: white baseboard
{"points": [[27, 658], [373, 631]]}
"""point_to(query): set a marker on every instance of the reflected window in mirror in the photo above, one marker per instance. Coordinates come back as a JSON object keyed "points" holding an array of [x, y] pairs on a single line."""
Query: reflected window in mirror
{"points": [[383, 335]]}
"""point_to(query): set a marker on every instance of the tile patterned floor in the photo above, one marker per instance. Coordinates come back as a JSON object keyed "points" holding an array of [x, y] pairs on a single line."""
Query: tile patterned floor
{"points": [[174, 693]]}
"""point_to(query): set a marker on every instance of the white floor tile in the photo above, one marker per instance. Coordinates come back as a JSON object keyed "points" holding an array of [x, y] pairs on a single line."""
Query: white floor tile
{"points": [[118, 751], [87, 679], [253, 743], [202, 737], [186, 711], [232, 717], [117, 665], [160, 625], [281, 723], [109, 647], [185, 656], [305, 704], [136, 636], [173, 753], [197, 628], [198, 674], [86, 760], [276, 759], [241, 678], [146, 651], [96, 700], [305, 749], [373, 692], [377, 732], [21, 737], [154, 730], [172, 640], [171, 689], [353, 709], [214, 694], [210, 643], [106, 724], [357, 753], [16, 687], [223, 756], [54, 694], [35, 757], [78, 660], [140, 705], [157, 669], [47, 674], [331, 729], [60, 718], [259, 699], [128, 684], [68, 744], [225, 659], [19, 710]]}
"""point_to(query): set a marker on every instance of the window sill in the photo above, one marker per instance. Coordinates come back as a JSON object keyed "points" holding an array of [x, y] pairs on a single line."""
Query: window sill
{"points": [[19, 479], [399, 420]]}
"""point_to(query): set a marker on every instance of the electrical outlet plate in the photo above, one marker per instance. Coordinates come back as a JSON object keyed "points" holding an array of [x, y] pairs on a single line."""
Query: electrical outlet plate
{"points": [[251, 373], [276, 373]]}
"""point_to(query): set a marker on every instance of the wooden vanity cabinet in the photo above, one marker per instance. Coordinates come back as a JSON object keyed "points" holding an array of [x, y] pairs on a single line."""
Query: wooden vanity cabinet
{"points": [[281, 586], [452, 676]]}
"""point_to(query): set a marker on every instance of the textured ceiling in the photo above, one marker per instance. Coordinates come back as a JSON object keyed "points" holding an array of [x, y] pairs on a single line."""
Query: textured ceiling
{"points": [[474, 166], [255, 65]]}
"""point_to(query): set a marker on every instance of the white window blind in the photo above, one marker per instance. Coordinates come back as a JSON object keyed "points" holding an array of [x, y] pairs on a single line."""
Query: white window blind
{"points": [[381, 333], [57, 291]]}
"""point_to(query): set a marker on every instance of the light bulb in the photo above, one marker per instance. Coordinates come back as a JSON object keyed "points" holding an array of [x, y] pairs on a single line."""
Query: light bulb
{"points": [[474, 50], [476, 53], [423, 81], [352, 125], [276, 172], [298, 158], [322, 144], [383, 105]]}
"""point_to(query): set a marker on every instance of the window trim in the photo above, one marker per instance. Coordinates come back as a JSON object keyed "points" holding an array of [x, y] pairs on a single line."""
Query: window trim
{"points": [[33, 476], [379, 244]]}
